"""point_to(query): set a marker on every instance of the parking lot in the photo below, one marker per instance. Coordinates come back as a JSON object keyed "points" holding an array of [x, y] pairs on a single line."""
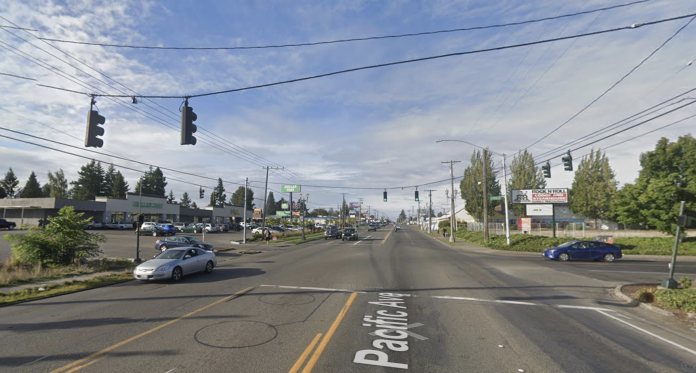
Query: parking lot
{"points": [[122, 243]]}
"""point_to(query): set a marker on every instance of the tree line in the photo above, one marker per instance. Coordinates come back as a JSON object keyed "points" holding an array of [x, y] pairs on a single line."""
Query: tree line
{"points": [[667, 176]]}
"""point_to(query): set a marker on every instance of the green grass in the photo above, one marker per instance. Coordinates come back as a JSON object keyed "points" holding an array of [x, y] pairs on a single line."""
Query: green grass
{"points": [[13, 272], [68, 287], [629, 245]]}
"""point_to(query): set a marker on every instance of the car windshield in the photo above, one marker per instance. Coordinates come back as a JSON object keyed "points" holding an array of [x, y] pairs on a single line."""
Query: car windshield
{"points": [[194, 240], [566, 244], [171, 254]]}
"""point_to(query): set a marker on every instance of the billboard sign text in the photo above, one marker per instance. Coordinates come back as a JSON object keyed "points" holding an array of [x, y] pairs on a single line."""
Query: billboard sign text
{"points": [[540, 195]]}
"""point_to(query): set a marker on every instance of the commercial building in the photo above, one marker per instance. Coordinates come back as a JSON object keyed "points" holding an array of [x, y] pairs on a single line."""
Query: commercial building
{"points": [[118, 210]]}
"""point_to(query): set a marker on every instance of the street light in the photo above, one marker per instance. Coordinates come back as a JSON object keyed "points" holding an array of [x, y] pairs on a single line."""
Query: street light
{"points": [[505, 196], [140, 213]]}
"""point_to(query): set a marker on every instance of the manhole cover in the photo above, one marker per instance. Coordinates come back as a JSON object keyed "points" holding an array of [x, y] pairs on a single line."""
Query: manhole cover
{"points": [[287, 299], [236, 334]]}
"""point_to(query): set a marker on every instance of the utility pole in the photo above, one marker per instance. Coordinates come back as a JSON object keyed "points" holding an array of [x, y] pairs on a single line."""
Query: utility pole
{"points": [[670, 282], [265, 195], [303, 206], [485, 198], [452, 218], [430, 210], [507, 218], [359, 210], [343, 208], [140, 213], [246, 186]]}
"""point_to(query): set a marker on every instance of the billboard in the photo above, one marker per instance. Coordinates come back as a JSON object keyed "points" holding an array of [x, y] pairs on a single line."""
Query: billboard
{"points": [[540, 195], [539, 210], [290, 188], [355, 205], [257, 214]]}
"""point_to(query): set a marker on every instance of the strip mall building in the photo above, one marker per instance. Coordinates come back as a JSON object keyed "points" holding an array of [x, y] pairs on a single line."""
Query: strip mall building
{"points": [[117, 210]]}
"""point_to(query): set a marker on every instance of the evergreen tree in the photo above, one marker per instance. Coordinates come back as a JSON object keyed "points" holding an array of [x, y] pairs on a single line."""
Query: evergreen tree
{"points": [[109, 176], [279, 205], [57, 185], [32, 189], [193, 205], [119, 186], [237, 198], [593, 188], [220, 195], [9, 184], [153, 183], [170, 197], [3, 194], [185, 200], [90, 182], [402, 216], [524, 175], [471, 185], [213, 199], [270, 205]]}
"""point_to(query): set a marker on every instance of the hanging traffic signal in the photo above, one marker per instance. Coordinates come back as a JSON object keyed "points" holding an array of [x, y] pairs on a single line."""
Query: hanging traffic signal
{"points": [[201, 193], [93, 129], [547, 170], [417, 199], [187, 126], [384, 196], [568, 162]]}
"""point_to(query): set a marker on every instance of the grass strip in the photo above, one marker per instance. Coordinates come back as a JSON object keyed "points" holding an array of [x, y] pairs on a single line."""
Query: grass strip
{"points": [[67, 287]]}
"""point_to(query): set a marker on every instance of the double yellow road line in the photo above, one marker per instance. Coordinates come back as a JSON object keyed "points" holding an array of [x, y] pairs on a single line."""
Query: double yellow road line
{"points": [[310, 364]]}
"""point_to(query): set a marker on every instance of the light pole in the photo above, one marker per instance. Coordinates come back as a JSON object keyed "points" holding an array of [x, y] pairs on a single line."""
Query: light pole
{"points": [[140, 213], [505, 195]]}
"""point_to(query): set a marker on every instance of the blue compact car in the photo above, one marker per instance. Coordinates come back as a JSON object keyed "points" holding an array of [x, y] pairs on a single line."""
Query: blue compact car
{"points": [[583, 250]]}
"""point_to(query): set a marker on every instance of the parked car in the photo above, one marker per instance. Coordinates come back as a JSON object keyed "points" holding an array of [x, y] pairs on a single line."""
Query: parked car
{"points": [[95, 225], [211, 228], [181, 241], [179, 226], [9, 225], [224, 227], [350, 234], [170, 228], [173, 264], [236, 227], [193, 228], [153, 230], [584, 250]]}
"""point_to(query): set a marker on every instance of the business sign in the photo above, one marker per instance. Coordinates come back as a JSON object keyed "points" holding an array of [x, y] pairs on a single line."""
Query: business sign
{"points": [[148, 205], [539, 210], [295, 206], [282, 213], [524, 224], [355, 205], [290, 188], [540, 195], [284, 206], [257, 213]]}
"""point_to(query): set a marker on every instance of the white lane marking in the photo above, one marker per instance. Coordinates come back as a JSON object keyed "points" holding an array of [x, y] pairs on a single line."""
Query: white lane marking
{"points": [[361, 240], [500, 301], [567, 306], [641, 272], [649, 333], [319, 289]]}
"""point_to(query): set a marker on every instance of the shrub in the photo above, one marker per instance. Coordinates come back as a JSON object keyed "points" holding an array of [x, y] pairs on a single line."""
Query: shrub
{"points": [[645, 296], [62, 242], [681, 299], [685, 282]]}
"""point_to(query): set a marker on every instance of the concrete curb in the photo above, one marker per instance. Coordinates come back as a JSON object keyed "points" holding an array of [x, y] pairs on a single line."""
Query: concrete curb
{"points": [[618, 292]]}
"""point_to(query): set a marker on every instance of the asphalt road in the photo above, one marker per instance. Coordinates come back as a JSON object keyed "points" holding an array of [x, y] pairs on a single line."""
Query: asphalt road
{"points": [[390, 302]]}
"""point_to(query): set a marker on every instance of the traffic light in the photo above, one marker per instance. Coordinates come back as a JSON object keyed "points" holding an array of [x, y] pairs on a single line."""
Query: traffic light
{"points": [[187, 126], [547, 170], [384, 196], [93, 129], [568, 162], [201, 193], [417, 199]]}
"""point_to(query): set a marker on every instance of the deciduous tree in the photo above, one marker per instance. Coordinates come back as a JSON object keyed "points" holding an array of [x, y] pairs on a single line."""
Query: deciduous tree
{"points": [[524, 175], [57, 185], [237, 198], [594, 187], [471, 185]]}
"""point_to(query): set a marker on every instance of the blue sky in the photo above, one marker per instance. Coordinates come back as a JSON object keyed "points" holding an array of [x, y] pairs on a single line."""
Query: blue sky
{"points": [[374, 128]]}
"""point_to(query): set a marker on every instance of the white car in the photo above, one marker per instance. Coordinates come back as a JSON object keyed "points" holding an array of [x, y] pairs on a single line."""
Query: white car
{"points": [[173, 264], [211, 228]]}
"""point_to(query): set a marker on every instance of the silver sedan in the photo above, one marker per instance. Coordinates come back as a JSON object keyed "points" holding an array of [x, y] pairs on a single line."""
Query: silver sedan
{"points": [[175, 263]]}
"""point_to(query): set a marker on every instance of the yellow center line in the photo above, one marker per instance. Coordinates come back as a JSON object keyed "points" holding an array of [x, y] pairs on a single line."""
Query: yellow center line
{"points": [[385, 238], [304, 355], [131, 339], [310, 365]]}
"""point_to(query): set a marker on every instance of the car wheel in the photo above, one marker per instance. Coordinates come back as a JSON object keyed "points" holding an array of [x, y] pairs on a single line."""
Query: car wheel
{"points": [[324, 237], [10, 227], [209, 266], [609, 257], [154, 234], [564, 257], [163, 248], [177, 274]]}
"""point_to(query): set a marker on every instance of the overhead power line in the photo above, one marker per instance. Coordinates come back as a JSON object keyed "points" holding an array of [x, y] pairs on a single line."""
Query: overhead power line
{"points": [[402, 62], [613, 85], [306, 44]]}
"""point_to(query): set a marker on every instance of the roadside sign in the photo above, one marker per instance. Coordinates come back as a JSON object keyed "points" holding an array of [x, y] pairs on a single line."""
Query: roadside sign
{"points": [[540, 210], [540, 195], [290, 188], [355, 205], [282, 213], [496, 198], [284, 206]]}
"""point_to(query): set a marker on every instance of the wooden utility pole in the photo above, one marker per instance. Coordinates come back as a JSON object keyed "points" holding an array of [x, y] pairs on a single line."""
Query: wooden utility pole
{"points": [[485, 197]]}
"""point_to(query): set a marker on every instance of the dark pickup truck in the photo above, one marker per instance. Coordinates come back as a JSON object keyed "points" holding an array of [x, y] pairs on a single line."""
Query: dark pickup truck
{"points": [[7, 224], [332, 231]]}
